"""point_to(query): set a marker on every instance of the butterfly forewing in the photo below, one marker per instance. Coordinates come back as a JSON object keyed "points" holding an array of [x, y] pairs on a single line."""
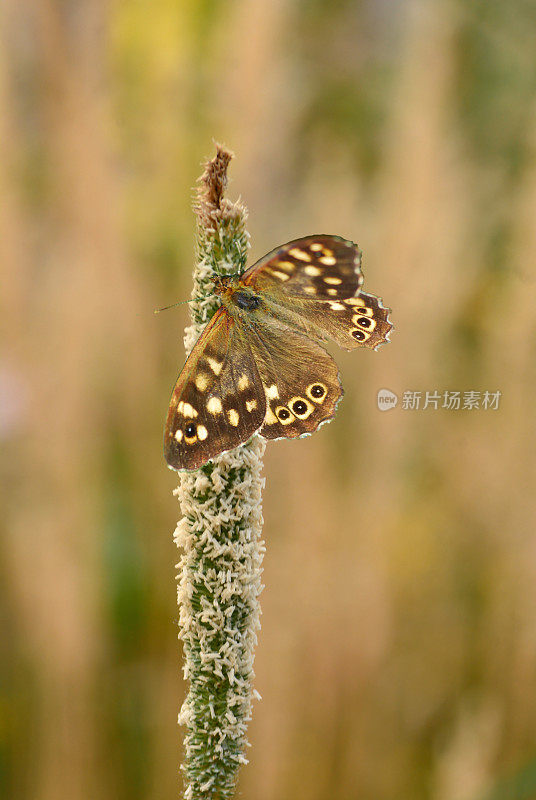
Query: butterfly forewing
{"points": [[218, 401], [318, 267], [300, 380]]}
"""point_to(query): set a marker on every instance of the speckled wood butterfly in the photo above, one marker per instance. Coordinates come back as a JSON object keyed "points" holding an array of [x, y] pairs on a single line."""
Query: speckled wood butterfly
{"points": [[258, 365]]}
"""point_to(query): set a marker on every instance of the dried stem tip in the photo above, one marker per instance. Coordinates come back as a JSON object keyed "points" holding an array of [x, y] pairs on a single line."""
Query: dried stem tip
{"points": [[214, 184]]}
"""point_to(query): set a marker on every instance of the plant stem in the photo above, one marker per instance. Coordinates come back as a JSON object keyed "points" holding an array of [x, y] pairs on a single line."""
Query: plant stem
{"points": [[220, 535]]}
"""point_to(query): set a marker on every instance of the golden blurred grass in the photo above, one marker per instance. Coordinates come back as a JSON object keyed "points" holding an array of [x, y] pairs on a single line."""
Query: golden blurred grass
{"points": [[397, 656]]}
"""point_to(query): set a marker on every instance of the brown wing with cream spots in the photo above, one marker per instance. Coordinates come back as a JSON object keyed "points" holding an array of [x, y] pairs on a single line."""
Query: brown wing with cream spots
{"points": [[218, 401], [301, 381], [352, 322], [318, 267]]}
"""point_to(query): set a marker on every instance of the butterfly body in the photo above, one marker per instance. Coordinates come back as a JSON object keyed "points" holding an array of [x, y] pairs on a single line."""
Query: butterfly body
{"points": [[259, 365]]}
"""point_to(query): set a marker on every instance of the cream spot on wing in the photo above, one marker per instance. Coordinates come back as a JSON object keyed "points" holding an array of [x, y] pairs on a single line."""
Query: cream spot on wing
{"points": [[251, 405], [327, 260], [243, 382], [312, 271], [178, 435], [271, 392], [281, 275], [186, 409], [332, 292], [336, 306], [355, 301], [288, 265], [316, 247], [214, 405], [234, 417], [333, 281], [201, 381], [202, 432], [309, 290], [327, 252], [300, 254], [270, 417], [214, 365]]}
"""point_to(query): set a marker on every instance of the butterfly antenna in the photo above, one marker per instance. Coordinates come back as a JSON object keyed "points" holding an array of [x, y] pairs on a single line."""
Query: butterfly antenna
{"points": [[173, 305], [181, 303]]}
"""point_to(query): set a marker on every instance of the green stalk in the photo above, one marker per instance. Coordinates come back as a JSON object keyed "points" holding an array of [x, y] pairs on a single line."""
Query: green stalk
{"points": [[220, 535]]}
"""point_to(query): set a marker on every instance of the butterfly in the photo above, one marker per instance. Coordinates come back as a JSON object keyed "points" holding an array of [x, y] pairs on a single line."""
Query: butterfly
{"points": [[259, 365]]}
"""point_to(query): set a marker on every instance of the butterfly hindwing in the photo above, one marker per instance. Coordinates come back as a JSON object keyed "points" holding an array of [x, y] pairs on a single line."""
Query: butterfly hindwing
{"points": [[218, 401], [317, 267], [360, 321], [301, 381]]}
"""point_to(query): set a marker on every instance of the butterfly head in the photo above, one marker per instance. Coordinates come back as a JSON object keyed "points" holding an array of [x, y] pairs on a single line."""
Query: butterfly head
{"points": [[222, 283], [235, 293]]}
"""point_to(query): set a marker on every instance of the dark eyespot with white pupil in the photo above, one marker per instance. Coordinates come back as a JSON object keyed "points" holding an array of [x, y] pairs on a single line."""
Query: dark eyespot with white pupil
{"points": [[359, 335], [284, 414], [189, 431], [299, 406], [317, 390], [364, 322]]}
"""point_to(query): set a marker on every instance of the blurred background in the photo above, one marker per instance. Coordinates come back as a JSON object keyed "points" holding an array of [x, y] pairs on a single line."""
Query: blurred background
{"points": [[397, 657]]}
